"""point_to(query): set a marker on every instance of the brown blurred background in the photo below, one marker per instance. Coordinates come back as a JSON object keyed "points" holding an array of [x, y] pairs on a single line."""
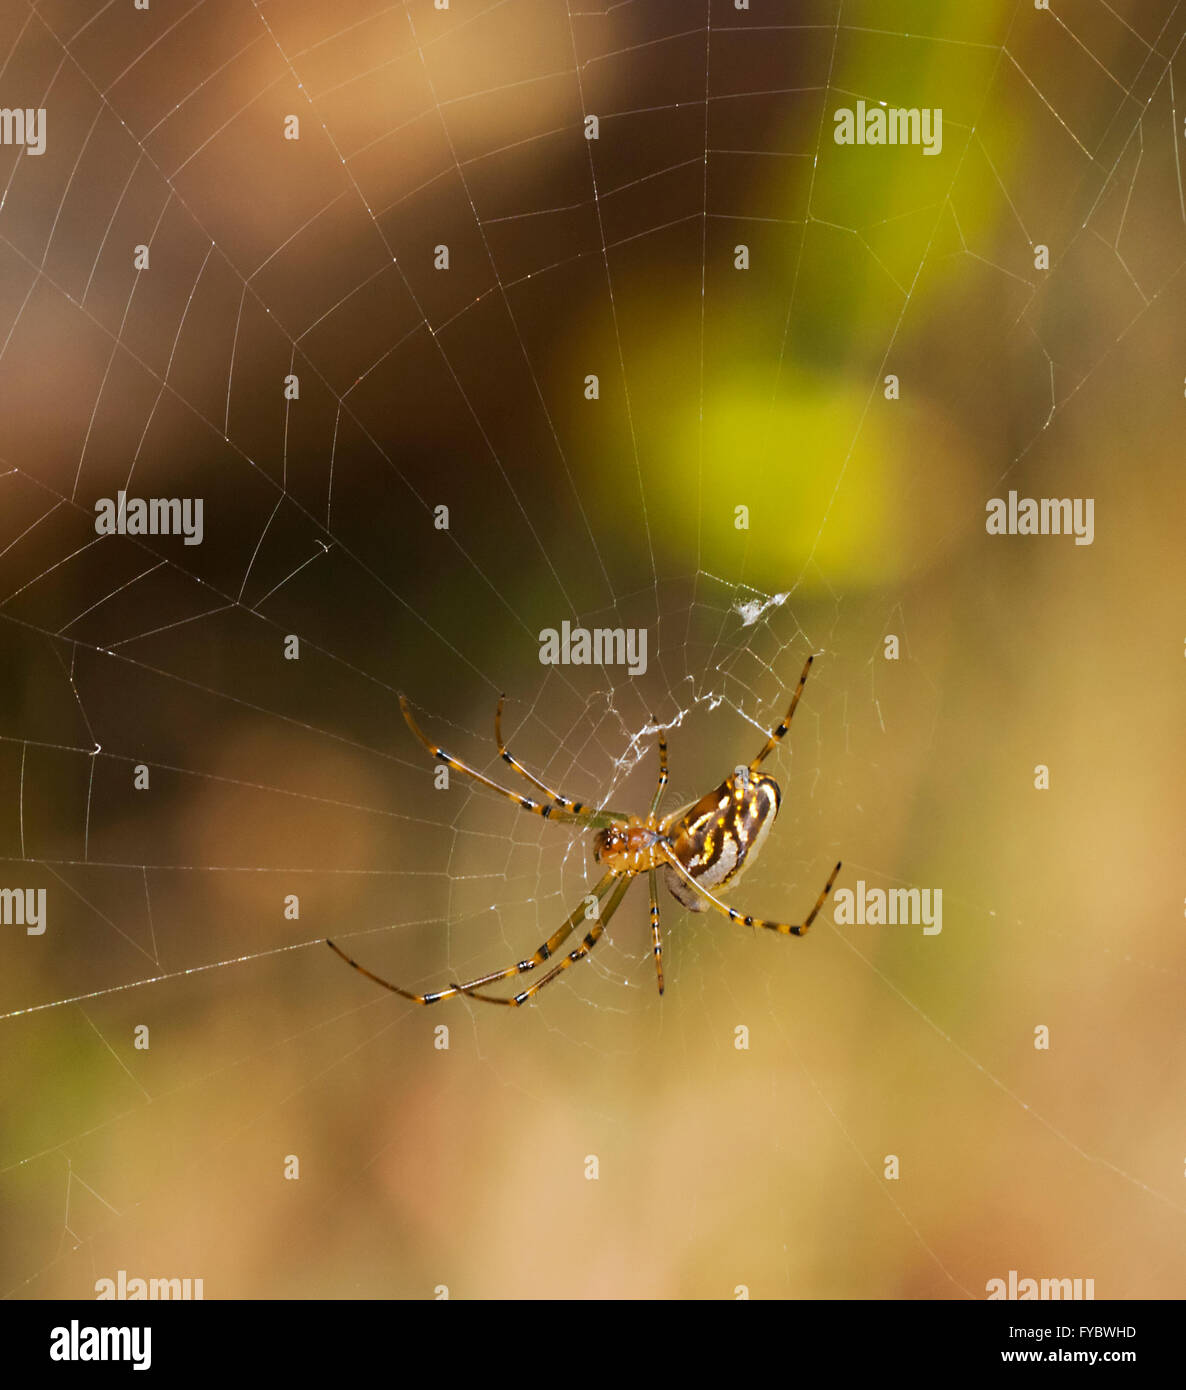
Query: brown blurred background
{"points": [[466, 1167]]}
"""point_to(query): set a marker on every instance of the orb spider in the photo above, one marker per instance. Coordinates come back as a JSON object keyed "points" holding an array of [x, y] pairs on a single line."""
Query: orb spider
{"points": [[708, 844]]}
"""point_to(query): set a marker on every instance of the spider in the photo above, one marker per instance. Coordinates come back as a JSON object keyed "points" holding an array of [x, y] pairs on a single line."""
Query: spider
{"points": [[708, 844]]}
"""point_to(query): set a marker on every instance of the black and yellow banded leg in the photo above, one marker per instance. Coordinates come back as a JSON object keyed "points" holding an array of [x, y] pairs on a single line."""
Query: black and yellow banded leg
{"points": [[777, 736], [662, 771], [395, 989], [786, 928], [545, 951], [591, 939], [655, 936], [596, 819], [564, 802]]}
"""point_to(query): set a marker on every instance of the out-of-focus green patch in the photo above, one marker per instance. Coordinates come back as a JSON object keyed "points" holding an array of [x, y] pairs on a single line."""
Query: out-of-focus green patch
{"points": [[902, 203], [769, 391], [833, 479], [775, 477]]}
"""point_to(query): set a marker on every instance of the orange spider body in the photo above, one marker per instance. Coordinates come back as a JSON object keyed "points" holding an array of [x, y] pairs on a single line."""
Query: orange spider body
{"points": [[714, 839], [705, 845]]}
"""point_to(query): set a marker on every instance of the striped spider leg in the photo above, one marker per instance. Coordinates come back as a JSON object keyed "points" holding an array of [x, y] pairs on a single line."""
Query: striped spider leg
{"points": [[703, 846], [710, 843], [614, 901], [547, 949], [557, 807], [748, 920], [652, 882], [623, 882]]}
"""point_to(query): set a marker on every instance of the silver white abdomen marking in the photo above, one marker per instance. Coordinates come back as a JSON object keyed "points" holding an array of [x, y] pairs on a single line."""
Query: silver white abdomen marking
{"points": [[719, 836]]}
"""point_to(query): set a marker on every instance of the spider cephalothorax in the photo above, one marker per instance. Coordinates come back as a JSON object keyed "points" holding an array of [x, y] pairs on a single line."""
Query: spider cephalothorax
{"points": [[630, 848], [708, 844]]}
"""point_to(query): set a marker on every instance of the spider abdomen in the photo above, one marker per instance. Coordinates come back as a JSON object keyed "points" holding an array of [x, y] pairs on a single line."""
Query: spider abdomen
{"points": [[718, 837]]}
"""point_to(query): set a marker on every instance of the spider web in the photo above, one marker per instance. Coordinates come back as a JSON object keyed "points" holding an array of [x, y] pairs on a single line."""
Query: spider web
{"points": [[718, 1167]]}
